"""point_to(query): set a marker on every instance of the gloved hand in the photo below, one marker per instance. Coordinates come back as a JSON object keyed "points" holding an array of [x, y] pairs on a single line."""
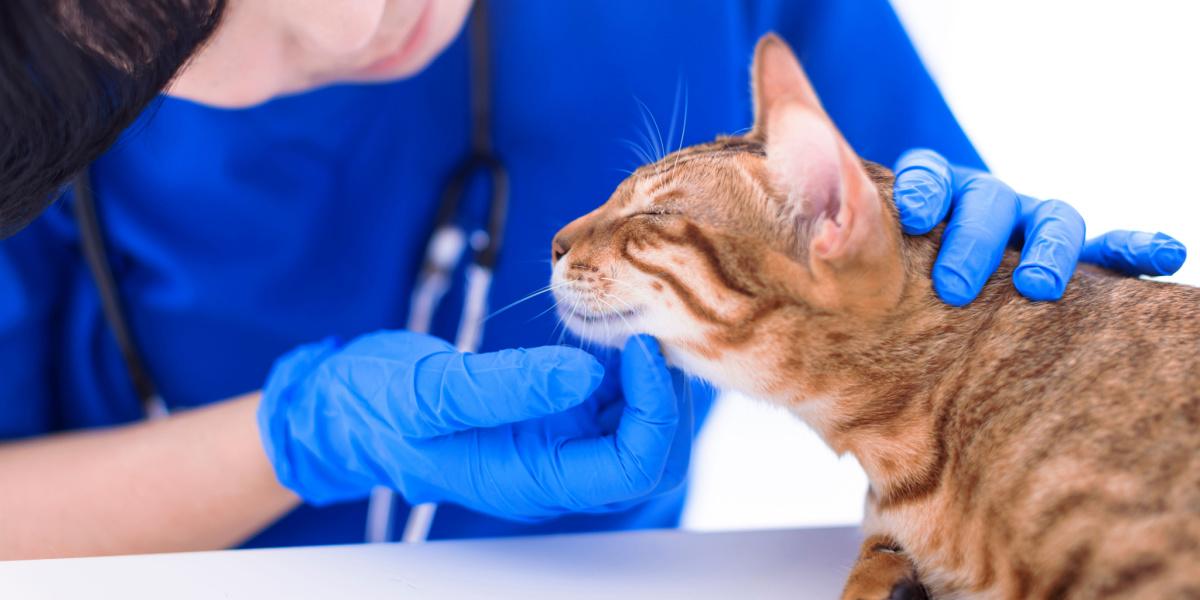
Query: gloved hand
{"points": [[985, 214], [520, 434]]}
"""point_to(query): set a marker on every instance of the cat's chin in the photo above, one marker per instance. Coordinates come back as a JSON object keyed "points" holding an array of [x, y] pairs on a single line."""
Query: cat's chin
{"points": [[599, 334], [610, 329]]}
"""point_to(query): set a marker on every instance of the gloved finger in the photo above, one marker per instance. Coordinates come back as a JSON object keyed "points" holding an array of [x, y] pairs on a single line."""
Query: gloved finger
{"points": [[609, 416], [454, 392], [1136, 252], [985, 214], [923, 190], [630, 463], [301, 361], [279, 392], [612, 406], [652, 417], [606, 399], [680, 458], [609, 393], [609, 397], [1054, 233]]}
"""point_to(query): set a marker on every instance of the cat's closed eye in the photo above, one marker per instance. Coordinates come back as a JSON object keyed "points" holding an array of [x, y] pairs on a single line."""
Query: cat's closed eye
{"points": [[657, 212]]}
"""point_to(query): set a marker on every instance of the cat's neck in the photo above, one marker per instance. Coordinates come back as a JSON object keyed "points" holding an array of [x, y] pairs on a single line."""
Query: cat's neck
{"points": [[877, 396]]}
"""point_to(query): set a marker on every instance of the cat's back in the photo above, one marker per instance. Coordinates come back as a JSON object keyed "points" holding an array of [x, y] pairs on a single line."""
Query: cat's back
{"points": [[1147, 332], [1113, 368], [1110, 335], [1152, 304], [1088, 450]]}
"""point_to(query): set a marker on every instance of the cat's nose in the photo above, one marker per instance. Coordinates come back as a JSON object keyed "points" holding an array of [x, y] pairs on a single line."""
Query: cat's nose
{"points": [[566, 237], [559, 247]]}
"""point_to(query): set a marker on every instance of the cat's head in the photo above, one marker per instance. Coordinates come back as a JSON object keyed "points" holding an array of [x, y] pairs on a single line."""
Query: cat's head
{"points": [[727, 250]]}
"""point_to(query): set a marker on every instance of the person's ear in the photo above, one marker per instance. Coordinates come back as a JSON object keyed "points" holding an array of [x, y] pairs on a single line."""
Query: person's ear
{"points": [[829, 197]]}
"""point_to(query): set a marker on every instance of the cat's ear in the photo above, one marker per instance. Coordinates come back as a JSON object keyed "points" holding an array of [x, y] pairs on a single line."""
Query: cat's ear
{"points": [[828, 192], [777, 79], [826, 184]]}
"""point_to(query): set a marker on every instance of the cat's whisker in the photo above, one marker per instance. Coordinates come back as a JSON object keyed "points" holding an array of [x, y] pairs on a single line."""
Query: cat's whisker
{"points": [[543, 313], [631, 330], [570, 315], [625, 303], [683, 131], [674, 112], [613, 297], [546, 290], [627, 285], [652, 125], [681, 99], [647, 146], [562, 323], [607, 323], [629, 307], [561, 333], [640, 152], [686, 105], [554, 331]]}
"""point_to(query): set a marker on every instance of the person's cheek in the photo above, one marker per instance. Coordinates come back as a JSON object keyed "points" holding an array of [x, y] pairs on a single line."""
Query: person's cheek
{"points": [[448, 19], [334, 26], [443, 22]]}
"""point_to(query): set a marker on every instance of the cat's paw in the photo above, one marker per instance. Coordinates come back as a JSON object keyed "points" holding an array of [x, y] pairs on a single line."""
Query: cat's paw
{"points": [[883, 572]]}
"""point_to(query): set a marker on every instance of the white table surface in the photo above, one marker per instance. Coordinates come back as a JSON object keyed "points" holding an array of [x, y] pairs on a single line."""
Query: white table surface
{"points": [[803, 563]]}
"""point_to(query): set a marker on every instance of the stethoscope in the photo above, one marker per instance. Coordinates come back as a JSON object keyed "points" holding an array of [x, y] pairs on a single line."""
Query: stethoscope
{"points": [[451, 243]]}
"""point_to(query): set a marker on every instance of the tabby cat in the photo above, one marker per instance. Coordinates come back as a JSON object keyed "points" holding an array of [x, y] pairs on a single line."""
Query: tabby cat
{"points": [[1014, 449]]}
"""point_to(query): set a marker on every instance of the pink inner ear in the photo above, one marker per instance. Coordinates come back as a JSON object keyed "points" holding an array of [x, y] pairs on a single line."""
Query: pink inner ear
{"points": [[804, 158], [826, 185]]}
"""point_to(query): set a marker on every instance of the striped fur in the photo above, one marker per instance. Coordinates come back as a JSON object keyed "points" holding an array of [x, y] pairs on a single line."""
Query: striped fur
{"points": [[1014, 449]]}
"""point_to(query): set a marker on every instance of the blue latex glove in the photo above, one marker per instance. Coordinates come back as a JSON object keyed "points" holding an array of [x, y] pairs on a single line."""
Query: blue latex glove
{"points": [[985, 214], [520, 434]]}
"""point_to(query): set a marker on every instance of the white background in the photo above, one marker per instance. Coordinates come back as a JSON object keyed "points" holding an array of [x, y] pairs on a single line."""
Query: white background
{"points": [[1094, 102]]}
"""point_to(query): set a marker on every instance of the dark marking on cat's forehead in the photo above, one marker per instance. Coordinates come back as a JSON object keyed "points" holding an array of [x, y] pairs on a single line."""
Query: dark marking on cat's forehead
{"points": [[721, 147], [738, 144], [664, 173]]}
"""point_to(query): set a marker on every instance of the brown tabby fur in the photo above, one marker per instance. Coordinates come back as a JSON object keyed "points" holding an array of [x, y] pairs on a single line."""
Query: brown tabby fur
{"points": [[1015, 449]]}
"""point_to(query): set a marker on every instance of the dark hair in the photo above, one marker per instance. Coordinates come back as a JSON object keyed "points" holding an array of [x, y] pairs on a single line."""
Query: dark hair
{"points": [[73, 75]]}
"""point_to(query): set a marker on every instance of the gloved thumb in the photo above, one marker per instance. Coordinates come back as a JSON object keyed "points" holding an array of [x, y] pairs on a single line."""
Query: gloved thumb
{"points": [[455, 392]]}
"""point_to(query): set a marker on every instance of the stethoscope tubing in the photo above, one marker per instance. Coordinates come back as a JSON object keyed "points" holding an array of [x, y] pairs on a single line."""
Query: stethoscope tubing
{"points": [[445, 251]]}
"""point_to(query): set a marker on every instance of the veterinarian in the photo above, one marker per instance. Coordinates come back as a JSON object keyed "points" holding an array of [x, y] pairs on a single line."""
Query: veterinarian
{"points": [[264, 226]]}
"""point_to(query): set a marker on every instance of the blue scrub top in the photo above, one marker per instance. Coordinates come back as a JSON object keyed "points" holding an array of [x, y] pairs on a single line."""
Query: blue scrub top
{"points": [[238, 234]]}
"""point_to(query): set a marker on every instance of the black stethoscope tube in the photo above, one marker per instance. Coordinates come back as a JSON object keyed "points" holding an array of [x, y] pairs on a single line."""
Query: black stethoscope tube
{"points": [[484, 251], [91, 240]]}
